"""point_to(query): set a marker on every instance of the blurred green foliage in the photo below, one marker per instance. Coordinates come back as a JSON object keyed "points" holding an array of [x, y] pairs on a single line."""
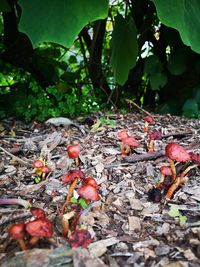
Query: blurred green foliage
{"points": [[128, 55]]}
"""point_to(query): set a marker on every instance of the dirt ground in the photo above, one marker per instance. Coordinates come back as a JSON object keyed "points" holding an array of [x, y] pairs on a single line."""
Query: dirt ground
{"points": [[128, 229]]}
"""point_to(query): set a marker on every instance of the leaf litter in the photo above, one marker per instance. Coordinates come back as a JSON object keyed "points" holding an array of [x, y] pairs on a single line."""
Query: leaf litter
{"points": [[126, 227]]}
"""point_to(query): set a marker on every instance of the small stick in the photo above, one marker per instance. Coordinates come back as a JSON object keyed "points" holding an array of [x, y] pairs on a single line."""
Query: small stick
{"points": [[129, 101]]}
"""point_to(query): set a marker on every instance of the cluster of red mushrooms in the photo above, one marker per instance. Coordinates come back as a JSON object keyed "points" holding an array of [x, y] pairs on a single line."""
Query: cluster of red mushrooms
{"points": [[171, 179], [39, 226]]}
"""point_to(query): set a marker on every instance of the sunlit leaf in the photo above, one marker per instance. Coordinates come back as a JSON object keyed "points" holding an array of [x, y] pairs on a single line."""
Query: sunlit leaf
{"points": [[174, 211], [183, 16], [182, 219], [59, 21], [124, 48]]}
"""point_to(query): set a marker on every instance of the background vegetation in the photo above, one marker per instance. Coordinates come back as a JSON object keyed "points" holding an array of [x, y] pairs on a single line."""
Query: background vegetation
{"points": [[63, 58]]}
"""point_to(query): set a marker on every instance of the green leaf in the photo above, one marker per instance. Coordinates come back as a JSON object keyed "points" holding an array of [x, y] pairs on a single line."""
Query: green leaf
{"points": [[191, 108], [158, 80], [73, 200], [152, 65], [82, 203], [59, 21], [124, 48], [174, 211], [183, 16], [4, 6], [182, 219], [177, 64]]}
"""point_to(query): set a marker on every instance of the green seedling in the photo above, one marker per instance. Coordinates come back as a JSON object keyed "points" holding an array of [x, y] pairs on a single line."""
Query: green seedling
{"points": [[80, 201], [37, 180], [175, 213], [99, 125]]}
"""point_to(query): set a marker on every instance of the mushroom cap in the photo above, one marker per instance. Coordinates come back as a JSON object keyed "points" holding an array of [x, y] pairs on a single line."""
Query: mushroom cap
{"points": [[88, 192], [72, 175], [17, 231], [45, 169], [148, 119], [165, 170], [122, 134], [80, 238], [155, 135], [73, 151], [131, 141], [37, 212], [38, 163], [195, 157], [41, 227], [91, 181], [176, 152]]}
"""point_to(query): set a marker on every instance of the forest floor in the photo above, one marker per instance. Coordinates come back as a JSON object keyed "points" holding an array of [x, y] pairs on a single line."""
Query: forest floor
{"points": [[127, 228]]}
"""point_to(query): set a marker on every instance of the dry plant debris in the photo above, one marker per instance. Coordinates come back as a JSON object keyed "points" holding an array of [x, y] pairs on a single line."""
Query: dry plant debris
{"points": [[127, 228]]}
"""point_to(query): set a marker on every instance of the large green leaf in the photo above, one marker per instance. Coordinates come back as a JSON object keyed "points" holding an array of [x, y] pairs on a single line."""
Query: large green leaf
{"points": [[182, 15], [59, 21], [124, 48]]}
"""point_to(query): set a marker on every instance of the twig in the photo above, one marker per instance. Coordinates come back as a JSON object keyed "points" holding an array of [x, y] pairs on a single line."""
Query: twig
{"points": [[151, 156], [17, 158], [177, 134], [145, 157], [129, 101]]}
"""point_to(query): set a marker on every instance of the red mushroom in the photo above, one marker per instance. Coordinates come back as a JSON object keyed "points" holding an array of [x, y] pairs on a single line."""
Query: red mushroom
{"points": [[38, 165], [155, 135], [177, 153], [17, 232], [37, 212], [88, 192], [80, 238], [180, 180], [45, 170], [122, 134], [72, 177], [129, 142], [148, 120], [90, 181], [73, 153], [39, 228], [165, 171]]}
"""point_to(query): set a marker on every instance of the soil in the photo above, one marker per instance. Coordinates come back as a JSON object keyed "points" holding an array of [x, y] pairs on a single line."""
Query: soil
{"points": [[128, 228]]}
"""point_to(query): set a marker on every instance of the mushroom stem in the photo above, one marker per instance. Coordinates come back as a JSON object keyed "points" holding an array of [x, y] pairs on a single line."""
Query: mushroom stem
{"points": [[123, 149], [150, 146], [173, 187], [76, 219], [179, 181], [22, 244], [77, 161], [173, 168], [146, 127], [127, 149], [33, 241], [71, 190], [65, 225]]}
